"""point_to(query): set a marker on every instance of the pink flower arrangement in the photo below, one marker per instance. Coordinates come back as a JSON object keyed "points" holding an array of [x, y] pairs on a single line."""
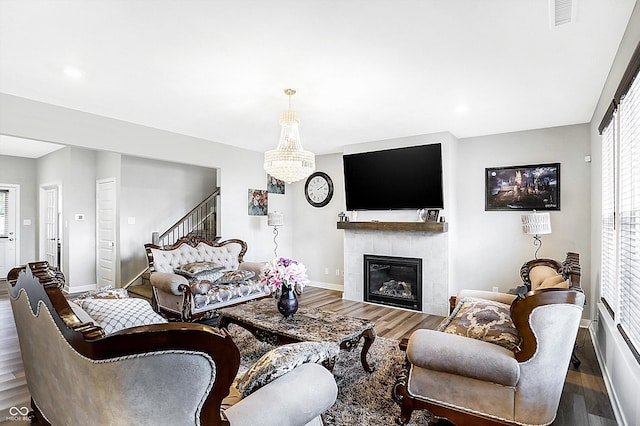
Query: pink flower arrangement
{"points": [[285, 273]]}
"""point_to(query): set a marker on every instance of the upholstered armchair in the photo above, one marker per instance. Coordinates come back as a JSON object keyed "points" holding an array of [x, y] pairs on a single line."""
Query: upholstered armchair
{"points": [[159, 374], [475, 381], [535, 272]]}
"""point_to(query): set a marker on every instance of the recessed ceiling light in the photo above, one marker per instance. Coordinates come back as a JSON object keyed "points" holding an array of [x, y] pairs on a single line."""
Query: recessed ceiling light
{"points": [[73, 72]]}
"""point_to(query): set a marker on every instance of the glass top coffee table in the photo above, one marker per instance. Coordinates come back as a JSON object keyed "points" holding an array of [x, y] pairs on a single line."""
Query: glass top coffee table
{"points": [[262, 319]]}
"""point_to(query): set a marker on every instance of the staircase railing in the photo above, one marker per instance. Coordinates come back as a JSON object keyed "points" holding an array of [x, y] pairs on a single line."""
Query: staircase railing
{"points": [[201, 222]]}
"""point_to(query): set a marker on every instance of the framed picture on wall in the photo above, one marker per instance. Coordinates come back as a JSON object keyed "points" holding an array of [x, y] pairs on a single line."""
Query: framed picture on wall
{"points": [[274, 186], [534, 187], [258, 202]]}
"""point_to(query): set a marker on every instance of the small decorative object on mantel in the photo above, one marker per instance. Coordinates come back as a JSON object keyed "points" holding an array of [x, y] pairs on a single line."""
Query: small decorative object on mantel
{"points": [[422, 215], [432, 215], [286, 278], [342, 217]]}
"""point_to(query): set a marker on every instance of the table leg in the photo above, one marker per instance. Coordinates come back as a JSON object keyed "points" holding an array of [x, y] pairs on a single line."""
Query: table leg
{"points": [[369, 337]]}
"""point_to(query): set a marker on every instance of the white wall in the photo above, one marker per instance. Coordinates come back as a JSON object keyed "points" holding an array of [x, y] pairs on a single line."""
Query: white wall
{"points": [[318, 244], [239, 169], [22, 171], [155, 195], [486, 249], [620, 369], [73, 170], [490, 246]]}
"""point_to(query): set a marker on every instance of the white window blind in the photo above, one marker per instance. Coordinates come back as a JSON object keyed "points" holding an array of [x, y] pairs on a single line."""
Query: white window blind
{"points": [[4, 217], [608, 281], [629, 211]]}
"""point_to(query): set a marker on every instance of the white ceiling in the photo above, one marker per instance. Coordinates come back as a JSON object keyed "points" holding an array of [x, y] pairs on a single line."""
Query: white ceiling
{"points": [[19, 147], [364, 70]]}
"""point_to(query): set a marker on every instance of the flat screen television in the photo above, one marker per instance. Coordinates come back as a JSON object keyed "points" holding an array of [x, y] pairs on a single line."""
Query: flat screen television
{"points": [[394, 179]]}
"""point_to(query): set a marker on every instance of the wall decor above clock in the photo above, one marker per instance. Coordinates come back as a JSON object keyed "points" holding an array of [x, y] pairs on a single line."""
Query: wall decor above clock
{"points": [[318, 189]]}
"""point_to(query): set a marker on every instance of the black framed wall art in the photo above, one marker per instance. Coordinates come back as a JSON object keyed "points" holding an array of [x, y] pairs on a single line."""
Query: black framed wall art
{"points": [[532, 187]]}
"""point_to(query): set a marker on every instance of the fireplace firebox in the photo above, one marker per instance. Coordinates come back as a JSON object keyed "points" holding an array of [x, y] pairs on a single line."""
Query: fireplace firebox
{"points": [[393, 281]]}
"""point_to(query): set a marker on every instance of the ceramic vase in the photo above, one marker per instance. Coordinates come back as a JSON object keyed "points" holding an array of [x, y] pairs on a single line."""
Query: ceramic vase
{"points": [[288, 302]]}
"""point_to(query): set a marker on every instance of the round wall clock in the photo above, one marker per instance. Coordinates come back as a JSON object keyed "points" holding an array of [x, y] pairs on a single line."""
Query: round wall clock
{"points": [[318, 189]]}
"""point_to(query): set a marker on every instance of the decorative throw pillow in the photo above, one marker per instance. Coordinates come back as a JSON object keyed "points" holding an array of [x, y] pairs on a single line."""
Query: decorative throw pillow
{"points": [[283, 359], [200, 286], [102, 293], [234, 276], [537, 274], [116, 314], [557, 281], [196, 269], [80, 313], [482, 319]]}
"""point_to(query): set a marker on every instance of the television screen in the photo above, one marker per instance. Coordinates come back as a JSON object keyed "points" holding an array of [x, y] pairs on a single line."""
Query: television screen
{"points": [[394, 179]]}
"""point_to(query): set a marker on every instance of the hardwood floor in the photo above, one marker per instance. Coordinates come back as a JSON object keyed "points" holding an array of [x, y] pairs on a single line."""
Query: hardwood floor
{"points": [[584, 399]]}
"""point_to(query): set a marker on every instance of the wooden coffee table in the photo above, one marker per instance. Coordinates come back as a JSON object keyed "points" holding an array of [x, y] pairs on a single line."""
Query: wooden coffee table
{"points": [[262, 319]]}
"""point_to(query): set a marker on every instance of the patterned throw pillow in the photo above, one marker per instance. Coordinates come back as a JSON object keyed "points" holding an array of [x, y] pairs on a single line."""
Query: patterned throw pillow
{"points": [[482, 319], [102, 293], [200, 270], [116, 314], [234, 276], [283, 359]]}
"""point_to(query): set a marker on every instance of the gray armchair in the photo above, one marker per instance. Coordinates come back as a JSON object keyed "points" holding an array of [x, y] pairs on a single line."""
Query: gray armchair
{"points": [[160, 374], [471, 381]]}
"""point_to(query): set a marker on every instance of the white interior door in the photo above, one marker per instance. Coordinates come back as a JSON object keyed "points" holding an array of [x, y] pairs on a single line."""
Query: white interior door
{"points": [[106, 232], [9, 202], [51, 226]]}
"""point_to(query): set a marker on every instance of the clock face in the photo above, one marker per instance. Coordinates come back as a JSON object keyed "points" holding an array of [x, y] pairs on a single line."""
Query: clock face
{"points": [[318, 189]]}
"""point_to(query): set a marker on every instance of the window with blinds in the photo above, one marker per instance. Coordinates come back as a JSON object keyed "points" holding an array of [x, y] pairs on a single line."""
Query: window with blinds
{"points": [[629, 208], [608, 286], [4, 217], [620, 263]]}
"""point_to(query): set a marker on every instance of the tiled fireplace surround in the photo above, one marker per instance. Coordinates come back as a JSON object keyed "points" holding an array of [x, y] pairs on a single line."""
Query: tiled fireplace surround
{"points": [[431, 247]]}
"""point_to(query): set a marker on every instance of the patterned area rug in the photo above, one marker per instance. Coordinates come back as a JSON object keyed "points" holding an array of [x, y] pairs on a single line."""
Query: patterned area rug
{"points": [[363, 398]]}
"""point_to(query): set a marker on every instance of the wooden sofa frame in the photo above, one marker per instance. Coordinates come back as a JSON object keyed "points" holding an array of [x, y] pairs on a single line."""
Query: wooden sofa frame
{"points": [[90, 341], [521, 308], [186, 314]]}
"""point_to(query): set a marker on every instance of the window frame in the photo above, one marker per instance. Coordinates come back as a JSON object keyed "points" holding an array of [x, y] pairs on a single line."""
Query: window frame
{"points": [[620, 128]]}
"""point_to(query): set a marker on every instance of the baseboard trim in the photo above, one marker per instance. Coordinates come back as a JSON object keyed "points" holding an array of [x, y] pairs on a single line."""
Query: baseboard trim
{"points": [[80, 289], [617, 412], [585, 323], [327, 286]]}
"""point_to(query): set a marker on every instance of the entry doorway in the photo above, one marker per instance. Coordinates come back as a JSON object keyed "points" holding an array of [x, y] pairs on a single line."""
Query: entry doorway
{"points": [[9, 238], [50, 221], [106, 232]]}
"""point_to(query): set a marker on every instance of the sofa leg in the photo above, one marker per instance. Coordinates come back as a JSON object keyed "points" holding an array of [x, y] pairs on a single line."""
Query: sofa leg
{"points": [[399, 394], [405, 416], [574, 359]]}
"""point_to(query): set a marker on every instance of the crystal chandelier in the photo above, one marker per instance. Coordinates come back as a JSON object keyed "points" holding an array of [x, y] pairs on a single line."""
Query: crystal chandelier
{"points": [[289, 161]]}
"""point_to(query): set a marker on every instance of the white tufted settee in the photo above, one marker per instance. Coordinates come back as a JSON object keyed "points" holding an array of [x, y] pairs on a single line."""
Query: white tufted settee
{"points": [[194, 277]]}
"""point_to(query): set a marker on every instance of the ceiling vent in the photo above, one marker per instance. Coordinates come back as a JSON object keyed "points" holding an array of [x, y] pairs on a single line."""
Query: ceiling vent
{"points": [[562, 12]]}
